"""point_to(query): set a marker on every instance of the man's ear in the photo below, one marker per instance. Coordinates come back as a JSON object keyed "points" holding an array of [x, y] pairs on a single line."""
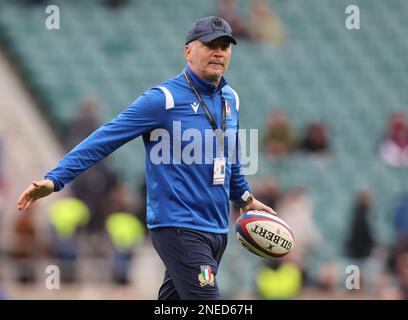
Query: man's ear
{"points": [[187, 52]]}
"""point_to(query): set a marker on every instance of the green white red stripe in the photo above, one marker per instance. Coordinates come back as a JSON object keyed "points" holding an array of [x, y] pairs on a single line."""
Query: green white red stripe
{"points": [[206, 272]]}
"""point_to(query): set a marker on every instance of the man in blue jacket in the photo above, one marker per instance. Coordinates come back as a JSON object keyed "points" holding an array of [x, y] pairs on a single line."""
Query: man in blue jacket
{"points": [[189, 181]]}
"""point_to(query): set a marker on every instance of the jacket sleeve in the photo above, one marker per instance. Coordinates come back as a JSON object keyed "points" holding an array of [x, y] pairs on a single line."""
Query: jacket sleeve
{"points": [[238, 182], [145, 114]]}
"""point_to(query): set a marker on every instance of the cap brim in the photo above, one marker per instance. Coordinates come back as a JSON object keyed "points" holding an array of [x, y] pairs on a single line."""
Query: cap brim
{"points": [[215, 35]]}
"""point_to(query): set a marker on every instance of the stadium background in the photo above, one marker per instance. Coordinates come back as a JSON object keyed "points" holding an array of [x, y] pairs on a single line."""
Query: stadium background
{"points": [[350, 80]]}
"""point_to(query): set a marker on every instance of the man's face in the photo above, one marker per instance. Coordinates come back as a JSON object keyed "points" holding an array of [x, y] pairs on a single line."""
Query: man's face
{"points": [[209, 60]]}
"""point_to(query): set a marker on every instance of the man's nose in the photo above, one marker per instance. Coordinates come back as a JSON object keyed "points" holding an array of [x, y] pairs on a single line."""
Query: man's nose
{"points": [[218, 51]]}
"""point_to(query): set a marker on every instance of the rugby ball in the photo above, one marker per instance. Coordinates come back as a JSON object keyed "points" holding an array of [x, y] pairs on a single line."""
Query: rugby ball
{"points": [[264, 234]]}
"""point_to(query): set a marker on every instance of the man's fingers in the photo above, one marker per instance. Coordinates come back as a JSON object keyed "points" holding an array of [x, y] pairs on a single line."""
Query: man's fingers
{"points": [[29, 204], [21, 205], [270, 210], [26, 196], [36, 190], [22, 201]]}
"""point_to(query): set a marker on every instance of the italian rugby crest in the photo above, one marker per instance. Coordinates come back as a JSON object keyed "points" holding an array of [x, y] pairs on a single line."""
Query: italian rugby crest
{"points": [[206, 276]]}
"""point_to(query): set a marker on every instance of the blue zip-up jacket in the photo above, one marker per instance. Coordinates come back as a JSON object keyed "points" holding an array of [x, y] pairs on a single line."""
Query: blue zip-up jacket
{"points": [[179, 193]]}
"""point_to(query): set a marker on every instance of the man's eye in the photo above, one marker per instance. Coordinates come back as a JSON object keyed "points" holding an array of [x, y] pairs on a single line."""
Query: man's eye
{"points": [[215, 46]]}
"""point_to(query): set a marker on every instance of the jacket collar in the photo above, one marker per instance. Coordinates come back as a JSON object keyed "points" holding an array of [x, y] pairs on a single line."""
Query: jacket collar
{"points": [[202, 85]]}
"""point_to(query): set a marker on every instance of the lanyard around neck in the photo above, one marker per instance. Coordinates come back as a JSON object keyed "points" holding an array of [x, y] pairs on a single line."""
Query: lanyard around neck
{"points": [[208, 113]]}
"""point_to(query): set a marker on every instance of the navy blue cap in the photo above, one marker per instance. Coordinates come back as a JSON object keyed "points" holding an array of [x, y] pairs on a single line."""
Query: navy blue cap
{"points": [[208, 29]]}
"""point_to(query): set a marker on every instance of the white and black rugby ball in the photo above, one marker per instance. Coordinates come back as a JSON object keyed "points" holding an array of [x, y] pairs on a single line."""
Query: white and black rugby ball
{"points": [[264, 234]]}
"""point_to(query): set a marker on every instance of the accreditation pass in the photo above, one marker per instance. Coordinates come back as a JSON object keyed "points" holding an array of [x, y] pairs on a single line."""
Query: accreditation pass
{"points": [[219, 171]]}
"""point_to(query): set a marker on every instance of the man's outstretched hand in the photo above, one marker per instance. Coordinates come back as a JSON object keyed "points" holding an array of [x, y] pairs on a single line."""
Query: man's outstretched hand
{"points": [[258, 205], [36, 190]]}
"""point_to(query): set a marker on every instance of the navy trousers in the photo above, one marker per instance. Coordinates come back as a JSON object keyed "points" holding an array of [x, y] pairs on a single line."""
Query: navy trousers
{"points": [[191, 259]]}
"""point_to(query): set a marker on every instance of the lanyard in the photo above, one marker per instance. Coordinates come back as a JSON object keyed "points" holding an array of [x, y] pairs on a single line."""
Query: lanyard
{"points": [[210, 118]]}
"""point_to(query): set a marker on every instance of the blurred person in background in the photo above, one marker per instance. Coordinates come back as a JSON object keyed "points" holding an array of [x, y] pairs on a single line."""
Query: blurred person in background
{"points": [[188, 203], [386, 287], [328, 278], [280, 139], [33, 2], [228, 11], [85, 121], [115, 4], [268, 191], [282, 278], [125, 232], [296, 209], [400, 217], [316, 140], [394, 149], [401, 266], [25, 248], [66, 217], [360, 241], [400, 243], [279, 279], [264, 24], [121, 199], [94, 185]]}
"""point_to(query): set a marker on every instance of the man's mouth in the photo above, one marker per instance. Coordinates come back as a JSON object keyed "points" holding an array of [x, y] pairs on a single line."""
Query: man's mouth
{"points": [[217, 63]]}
